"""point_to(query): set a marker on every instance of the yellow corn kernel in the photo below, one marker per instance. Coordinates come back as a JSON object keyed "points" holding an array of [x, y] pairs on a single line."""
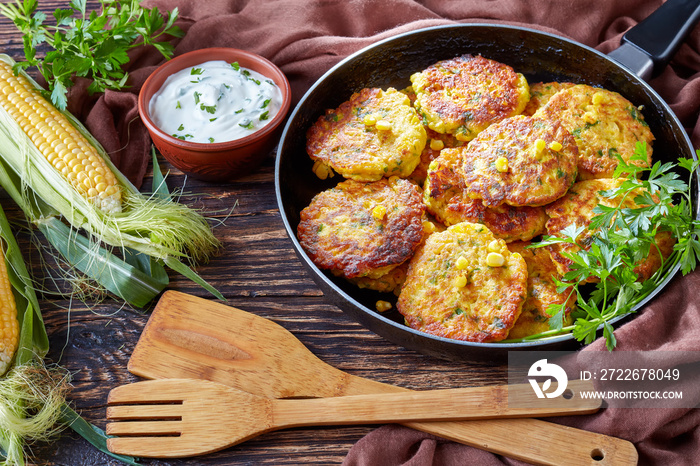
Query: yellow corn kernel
{"points": [[494, 246], [502, 164], [9, 340], [495, 259], [382, 306], [437, 144], [461, 281], [555, 146], [383, 125], [379, 212], [369, 120], [320, 169], [34, 114], [598, 98], [540, 144], [590, 118], [462, 263]]}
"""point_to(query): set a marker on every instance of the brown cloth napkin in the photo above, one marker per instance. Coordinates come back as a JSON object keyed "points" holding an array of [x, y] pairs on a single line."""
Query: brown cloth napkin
{"points": [[306, 38]]}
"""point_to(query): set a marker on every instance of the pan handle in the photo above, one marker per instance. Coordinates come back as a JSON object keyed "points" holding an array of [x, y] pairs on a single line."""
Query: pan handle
{"points": [[648, 47]]}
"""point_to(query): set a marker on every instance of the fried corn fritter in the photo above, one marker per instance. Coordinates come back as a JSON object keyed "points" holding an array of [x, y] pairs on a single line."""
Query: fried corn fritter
{"points": [[541, 292], [576, 207], [520, 161], [445, 197], [435, 144], [540, 93], [464, 284], [392, 281], [604, 124], [374, 134], [359, 229], [466, 94]]}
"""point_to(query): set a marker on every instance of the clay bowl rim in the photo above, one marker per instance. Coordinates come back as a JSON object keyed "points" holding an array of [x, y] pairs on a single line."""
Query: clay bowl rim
{"points": [[156, 79]]}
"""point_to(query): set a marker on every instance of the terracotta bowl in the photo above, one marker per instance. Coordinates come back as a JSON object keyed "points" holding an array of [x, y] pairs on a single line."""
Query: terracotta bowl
{"points": [[221, 161]]}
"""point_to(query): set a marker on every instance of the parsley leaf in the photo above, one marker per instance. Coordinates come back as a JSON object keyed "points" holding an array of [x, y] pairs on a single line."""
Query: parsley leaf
{"points": [[92, 45], [621, 234], [208, 108]]}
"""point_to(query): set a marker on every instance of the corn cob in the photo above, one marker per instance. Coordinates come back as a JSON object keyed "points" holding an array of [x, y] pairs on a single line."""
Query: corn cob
{"points": [[65, 148], [9, 325]]}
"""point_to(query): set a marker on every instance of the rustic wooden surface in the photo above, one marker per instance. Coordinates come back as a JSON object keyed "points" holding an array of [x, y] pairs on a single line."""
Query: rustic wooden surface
{"points": [[257, 271]]}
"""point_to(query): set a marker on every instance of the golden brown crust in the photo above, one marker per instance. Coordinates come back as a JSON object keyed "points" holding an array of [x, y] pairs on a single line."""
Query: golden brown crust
{"points": [[390, 282], [358, 148], [466, 94], [393, 280], [445, 197], [451, 291], [604, 124], [359, 229], [541, 292], [538, 160]]}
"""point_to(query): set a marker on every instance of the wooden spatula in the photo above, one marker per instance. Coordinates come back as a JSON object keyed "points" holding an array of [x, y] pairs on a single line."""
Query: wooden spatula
{"points": [[172, 418], [191, 337]]}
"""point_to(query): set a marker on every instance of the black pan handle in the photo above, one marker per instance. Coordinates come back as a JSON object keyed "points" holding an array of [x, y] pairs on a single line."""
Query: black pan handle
{"points": [[648, 47]]}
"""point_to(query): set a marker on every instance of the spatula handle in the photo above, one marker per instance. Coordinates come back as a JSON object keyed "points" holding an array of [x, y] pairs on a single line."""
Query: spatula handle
{"points": [[451, 404], [531, 440]]}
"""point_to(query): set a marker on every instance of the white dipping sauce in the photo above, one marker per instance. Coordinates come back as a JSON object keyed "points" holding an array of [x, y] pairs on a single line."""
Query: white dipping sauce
{"points": [[214, 102]]}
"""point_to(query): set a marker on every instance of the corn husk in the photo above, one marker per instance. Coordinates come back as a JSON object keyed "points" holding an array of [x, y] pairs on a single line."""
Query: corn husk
{"points": [[33, 407]]}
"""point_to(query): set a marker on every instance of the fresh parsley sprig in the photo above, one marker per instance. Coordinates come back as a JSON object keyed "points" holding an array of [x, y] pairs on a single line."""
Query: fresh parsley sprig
{"points": [[88, 44], [620, 237]]}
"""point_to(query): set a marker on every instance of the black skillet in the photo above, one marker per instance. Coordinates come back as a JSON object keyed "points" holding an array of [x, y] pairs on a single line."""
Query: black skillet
{"points": [[540, 57]]}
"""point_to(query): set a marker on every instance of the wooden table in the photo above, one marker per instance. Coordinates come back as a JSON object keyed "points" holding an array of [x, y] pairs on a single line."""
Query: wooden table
{"points": [[257, 271]]}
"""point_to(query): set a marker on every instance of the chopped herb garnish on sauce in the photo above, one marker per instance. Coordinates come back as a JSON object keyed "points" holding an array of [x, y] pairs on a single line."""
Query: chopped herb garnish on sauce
{"points": [[208, 108], [196, 71]]}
